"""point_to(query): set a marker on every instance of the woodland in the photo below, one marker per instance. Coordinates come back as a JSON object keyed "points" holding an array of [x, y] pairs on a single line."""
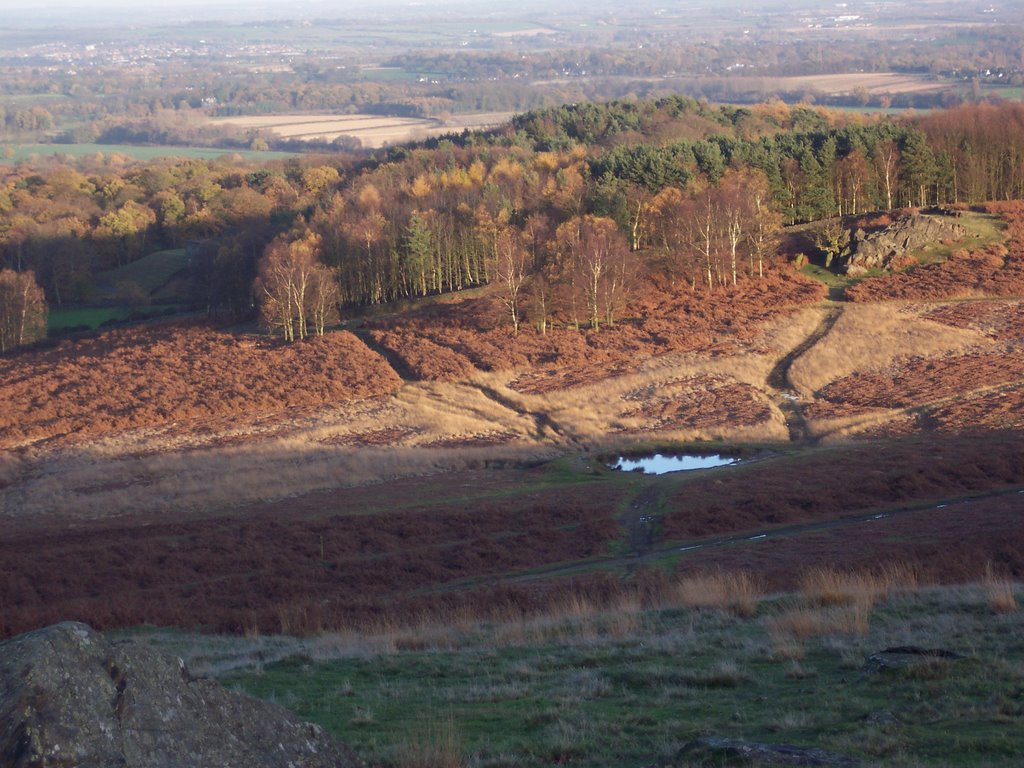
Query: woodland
{"points": [[564, 209]]}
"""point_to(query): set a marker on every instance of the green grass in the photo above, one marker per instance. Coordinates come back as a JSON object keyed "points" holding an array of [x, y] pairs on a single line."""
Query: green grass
{"points": [[150, 273], [837, 284], [983, 230], [30, 151], [1010, 93], [389, 74], [628, 687], [93, 317]]}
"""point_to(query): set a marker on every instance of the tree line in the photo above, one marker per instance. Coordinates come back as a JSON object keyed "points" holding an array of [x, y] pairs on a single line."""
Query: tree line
{"points": [[562, 208]]}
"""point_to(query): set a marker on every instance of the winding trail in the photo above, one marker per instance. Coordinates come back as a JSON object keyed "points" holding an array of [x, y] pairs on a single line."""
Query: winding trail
{"points": [[396, 362], [786, 398], [753, 537], [641, 521], [545, 427]]}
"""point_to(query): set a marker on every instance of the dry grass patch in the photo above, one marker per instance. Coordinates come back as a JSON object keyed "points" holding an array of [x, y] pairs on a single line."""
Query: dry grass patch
{"points": [[739, 593], [828, 586], [836, 603], [871, 336], [802, 623], [999, 591], [433, 745]]}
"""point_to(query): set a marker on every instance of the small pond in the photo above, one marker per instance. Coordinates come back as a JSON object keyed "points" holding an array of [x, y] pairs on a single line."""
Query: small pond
{"points": [[659, 464]]}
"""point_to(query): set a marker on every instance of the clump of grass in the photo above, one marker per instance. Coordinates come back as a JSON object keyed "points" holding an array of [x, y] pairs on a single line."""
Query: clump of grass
{"points": [[828, 586], [739, 593], [999, 591], [362, 716], [835, 603], [724, 674], [802, 623], [434, 745], [797, 671]]}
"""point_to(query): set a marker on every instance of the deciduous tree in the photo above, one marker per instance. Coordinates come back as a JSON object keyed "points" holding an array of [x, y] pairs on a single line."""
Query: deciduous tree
{"points": [[510, 270], [295, 289], [22, 310]]}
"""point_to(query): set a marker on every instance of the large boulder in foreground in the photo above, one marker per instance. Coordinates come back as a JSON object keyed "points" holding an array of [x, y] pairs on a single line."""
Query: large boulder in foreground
{"points": [[70, 697]]}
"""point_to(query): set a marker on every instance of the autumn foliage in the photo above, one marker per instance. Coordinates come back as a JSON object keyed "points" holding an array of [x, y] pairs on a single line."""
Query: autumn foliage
{"points": [[451, 340], [156, 376]]}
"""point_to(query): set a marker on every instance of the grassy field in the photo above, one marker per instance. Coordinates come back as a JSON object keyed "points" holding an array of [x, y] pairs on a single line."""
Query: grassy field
{"points": [[93, 317], [1010, 93], [371, 130], [872, 82], [149, 276], [150, 273], [30, 151], [630, 684]]}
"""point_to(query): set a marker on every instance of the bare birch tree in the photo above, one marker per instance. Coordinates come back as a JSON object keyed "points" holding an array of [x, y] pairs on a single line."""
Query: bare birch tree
{"points": [[295, 289], [510, 270], [22, 310]]}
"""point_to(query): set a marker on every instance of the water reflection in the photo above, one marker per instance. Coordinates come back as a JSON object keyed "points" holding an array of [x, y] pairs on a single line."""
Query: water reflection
{"points": [[659, 464]]}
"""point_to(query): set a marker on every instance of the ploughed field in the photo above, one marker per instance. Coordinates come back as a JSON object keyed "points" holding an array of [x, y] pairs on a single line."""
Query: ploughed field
{"points": [[370, 130], [433, 461]]}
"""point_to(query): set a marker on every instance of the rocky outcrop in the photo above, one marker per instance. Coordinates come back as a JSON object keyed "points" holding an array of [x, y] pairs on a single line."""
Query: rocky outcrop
{"points": [[890, 248], [715, 750], [906, 657], [70, 697]]}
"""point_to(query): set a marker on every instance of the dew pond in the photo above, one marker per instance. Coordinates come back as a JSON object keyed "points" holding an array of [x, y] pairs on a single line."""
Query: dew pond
{"points": [[660, 463]]}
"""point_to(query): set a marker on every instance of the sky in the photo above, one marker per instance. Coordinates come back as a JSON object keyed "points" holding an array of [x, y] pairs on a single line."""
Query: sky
{"points": [[87, 13], [149, 4], [70, 12]]}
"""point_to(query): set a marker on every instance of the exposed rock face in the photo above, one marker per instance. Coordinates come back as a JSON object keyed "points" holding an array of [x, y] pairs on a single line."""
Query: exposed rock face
{"points": [[68, 697], [890, 248]]}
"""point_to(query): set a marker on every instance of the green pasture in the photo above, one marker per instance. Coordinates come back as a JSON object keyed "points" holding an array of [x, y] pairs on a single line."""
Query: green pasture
{"points": [[60, 320], [150, 273]]}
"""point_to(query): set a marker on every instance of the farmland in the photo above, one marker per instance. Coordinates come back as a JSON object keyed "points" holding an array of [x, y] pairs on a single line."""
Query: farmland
{"points": [[23, 152], [870, 82], [371, 130]]}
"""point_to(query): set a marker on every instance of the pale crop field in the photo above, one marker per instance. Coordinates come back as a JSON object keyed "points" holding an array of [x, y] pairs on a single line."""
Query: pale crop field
{"points": [[874, 83], [372, 130]]}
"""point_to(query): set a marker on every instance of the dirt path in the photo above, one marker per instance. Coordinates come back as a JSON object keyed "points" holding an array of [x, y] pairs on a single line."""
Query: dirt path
{"points": [[545, 427], [752, 538], [785, 396], [390, 357], [641, 521]]}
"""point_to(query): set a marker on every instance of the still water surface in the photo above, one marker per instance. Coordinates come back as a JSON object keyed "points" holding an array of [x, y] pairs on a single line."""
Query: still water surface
{"points": [[659, 464]]}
